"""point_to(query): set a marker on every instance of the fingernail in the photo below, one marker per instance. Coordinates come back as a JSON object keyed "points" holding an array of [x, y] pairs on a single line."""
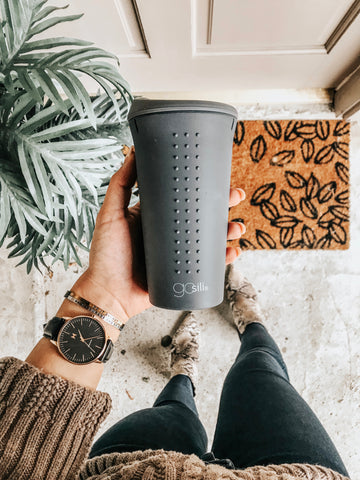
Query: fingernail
{"points": [[242, 227], [238, 250], [242, 193]]}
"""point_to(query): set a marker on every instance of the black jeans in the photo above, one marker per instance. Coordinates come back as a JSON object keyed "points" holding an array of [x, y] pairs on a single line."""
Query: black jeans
{"points": [[262, 419]]}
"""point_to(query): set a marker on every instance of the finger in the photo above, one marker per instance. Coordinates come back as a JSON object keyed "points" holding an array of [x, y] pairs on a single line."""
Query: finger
{"points": [[232, 254], [119, 190], [235, 230], [136, 208], [236, 196]]}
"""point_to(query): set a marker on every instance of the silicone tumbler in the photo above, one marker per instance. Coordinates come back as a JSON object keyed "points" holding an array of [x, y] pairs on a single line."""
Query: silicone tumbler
{"points": [[183, 151]]}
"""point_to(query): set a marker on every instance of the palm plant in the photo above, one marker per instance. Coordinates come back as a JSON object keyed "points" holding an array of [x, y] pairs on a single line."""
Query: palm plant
{"points": [[59, 146]]}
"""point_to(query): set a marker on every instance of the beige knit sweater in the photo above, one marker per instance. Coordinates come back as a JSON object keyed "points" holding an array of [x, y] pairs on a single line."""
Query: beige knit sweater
{"points": [[47, 425]]}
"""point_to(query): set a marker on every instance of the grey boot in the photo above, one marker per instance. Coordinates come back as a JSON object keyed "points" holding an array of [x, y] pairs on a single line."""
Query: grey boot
{"points": [[242, 299], [185, 349]]}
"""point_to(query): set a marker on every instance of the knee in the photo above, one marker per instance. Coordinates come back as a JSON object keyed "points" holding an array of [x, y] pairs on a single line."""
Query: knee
{"points": [[183, 422], [259, 359]]}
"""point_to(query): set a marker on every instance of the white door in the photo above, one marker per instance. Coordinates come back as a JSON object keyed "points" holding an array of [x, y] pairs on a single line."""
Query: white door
{"points": [[238, 46]]}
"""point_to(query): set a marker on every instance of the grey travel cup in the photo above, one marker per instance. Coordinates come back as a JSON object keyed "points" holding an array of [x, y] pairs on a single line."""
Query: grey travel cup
{"points": [[183, 151]]}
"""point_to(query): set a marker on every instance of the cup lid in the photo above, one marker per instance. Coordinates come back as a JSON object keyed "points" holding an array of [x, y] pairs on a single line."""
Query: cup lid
{"points": [[146, 106]]}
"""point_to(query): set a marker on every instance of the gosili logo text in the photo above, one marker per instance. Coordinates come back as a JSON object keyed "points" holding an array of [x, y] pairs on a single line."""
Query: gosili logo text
{"points": [[180, 289]]}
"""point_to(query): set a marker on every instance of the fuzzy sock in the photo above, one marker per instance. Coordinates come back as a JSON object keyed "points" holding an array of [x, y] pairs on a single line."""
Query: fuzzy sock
{"points": [[185, 349], [242, 299]]}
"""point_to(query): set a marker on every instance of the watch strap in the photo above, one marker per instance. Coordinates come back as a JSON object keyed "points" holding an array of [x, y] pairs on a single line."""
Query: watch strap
{"points": [[52, 327], [107, 352]]}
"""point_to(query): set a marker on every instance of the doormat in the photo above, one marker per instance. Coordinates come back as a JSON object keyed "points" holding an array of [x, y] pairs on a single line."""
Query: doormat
{"points": [[296, 178]]}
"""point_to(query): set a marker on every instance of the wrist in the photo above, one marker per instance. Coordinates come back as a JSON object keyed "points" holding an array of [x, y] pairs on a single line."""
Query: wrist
{"points": [[47, 358], [45, 354], [88, 288], [69, 309]]}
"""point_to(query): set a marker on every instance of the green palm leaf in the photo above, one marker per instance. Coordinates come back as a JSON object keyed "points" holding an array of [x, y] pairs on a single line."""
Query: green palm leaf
{"points": [[36, 67], [56, 156]]}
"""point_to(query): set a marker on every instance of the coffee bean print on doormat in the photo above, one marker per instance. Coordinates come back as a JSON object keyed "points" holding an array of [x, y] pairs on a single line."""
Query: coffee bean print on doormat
{"points": [[296, 178]]}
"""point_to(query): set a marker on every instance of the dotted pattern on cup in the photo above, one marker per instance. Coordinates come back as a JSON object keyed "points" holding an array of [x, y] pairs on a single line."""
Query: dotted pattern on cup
{"points": [[185, 169]]}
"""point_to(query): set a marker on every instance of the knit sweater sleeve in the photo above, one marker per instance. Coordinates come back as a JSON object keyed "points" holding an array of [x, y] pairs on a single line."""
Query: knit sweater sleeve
{"points": [[47, 423]]}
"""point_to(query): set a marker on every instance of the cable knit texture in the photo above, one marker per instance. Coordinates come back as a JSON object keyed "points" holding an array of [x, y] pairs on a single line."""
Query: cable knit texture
{"points": [[47, 425]]}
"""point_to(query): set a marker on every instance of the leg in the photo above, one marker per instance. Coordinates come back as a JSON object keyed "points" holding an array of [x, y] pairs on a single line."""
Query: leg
{"points": [[262, 418], [173, 422]]}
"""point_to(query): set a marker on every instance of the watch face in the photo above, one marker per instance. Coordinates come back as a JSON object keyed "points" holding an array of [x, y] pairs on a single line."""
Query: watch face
{"points": [[81, 339]]}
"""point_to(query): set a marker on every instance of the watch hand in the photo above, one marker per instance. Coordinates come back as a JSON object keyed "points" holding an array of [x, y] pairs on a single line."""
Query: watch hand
{"points": [[89, 347], [97, 336], [81, 337]]}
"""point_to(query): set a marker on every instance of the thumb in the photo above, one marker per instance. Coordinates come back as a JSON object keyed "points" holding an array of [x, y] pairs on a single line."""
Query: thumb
{"points": [[118, 194]]}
